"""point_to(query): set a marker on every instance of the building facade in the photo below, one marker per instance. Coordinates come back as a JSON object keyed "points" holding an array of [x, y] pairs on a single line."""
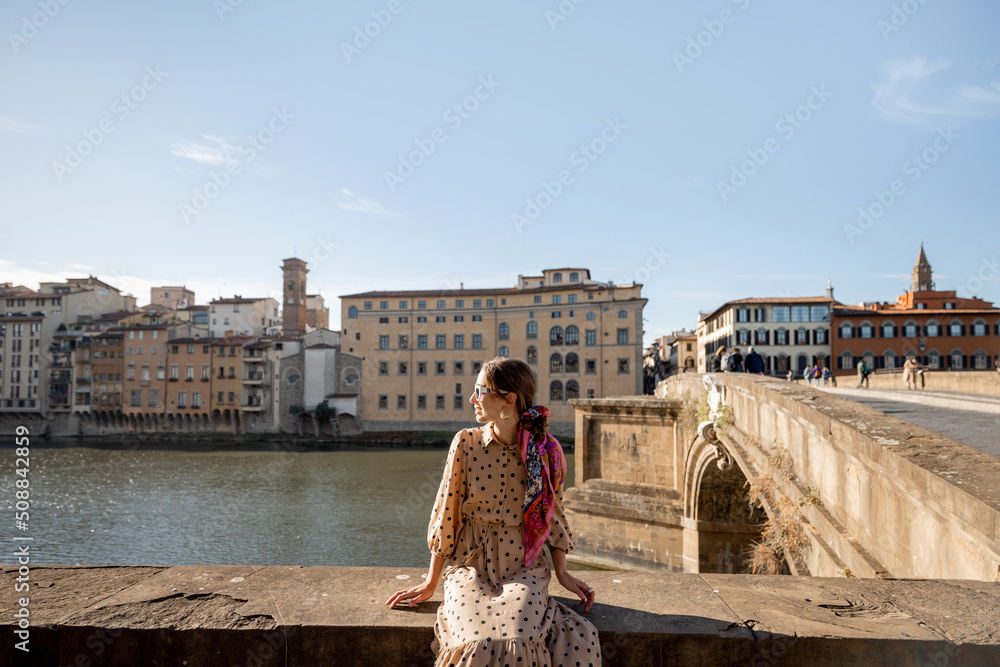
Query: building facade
{"points": [[244, 317], [422, 350], [317, 313], [107, 361], [145, 363], [21, 386], [789, 333], [189, 376], [938, 328], [172, 297]]}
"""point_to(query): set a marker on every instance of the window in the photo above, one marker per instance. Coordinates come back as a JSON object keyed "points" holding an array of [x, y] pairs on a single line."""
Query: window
{"points": [[383, 342], [400, 401], [846, 330], [439, 319], [503, 351], [934, 359], [459, 318], [189, 372], [743, 337], [572, 389], [847, 361], [421, 305], [556, 336], [889, 359], [820, 335], [623, 336], [957, 360], [556, 298], [421, 320], [556, 314], [383, 368], [173, 372], [572, 363], [477, 341], [981, 360], [949, 306], [477, 303], [402, 368], [532, 356], [383, 320], [404, 342], [955, 328], [504, 331], [556, 391], [383, 402], [623, 366], [422, 402], [460, 303], [440, 303], [888, 330], [590, 366], [801, 336], [402, 305], [800, 313], [591, 337], [477, 318], [820, 313], [933, 329], [439, 402], [196, 399], [557, 277], [556, 363], [154, 398], [781, 313], [572, 298], [979, 328], [221, 397], [532, 329], [538, 298], [574, 277], [383, 305], [421, 368], [760, 314], [368, 305], [352, 312], [490, 303], [440, 341], [572, 335], [911, 330], [135, 398], [438, 368], [476, 367], [404, 320], [182, 399], [458, 368], [422, 341]]}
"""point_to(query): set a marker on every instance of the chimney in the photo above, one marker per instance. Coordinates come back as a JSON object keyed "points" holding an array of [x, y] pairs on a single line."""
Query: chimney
{"points": [[829, 290]]}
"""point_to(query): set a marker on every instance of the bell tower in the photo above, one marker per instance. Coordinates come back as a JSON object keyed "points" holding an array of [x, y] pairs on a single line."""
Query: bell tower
{"points": [[922, 274], [293, 302]]}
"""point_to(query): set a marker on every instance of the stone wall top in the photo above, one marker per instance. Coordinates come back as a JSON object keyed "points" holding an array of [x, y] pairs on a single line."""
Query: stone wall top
{"points": [[269, 616]]}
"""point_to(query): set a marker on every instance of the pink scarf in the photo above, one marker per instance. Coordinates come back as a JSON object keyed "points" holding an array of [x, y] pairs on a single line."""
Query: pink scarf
{"points": [[545, 464]]}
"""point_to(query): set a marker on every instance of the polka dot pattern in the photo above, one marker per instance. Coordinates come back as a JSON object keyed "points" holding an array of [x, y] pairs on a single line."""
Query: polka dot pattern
{"points": [[497, 611]]}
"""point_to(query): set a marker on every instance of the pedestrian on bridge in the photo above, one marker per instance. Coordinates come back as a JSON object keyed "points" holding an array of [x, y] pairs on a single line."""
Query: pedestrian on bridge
{"points": [[754, 362], [863, 373]]}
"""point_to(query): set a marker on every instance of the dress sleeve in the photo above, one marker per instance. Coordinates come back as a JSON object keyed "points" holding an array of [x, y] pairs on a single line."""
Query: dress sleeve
{"points": [[560, 536], [446, 517]]}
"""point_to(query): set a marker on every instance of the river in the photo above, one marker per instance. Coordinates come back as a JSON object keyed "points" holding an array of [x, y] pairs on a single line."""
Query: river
{"points": [[188, 505]]}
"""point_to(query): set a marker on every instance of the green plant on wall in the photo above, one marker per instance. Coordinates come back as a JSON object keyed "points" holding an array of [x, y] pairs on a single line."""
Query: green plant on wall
{"points": [[323, 411]]}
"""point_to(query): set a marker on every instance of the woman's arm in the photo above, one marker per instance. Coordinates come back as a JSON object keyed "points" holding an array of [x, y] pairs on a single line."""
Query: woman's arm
{"points": [[423, 591], [569, 582]]}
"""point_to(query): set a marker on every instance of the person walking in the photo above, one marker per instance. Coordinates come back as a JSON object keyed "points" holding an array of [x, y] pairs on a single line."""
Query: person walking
{"points": [[807, 374], [754, 363], [910, 373], [825, 374], [736, 361], [863, 374], [490, 530], [718, 360]]}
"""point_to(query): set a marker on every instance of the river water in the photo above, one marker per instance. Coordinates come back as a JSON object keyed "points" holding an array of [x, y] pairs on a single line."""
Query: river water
{"points": [[248, 506]]}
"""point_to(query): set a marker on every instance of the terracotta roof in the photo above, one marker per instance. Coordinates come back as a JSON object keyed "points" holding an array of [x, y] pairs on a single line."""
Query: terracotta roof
{"points": [[954, 312], [238, 299], [21, 318], [790, 300], [500, 291], [203, 341]]}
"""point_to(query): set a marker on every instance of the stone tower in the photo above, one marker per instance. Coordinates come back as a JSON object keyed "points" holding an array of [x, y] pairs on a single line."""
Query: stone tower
{"points": [[922, 273], [293, 310]]}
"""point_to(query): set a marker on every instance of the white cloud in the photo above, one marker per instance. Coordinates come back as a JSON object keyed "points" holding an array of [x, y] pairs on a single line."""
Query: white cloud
{"points": [[897, 95], [17, 127], [221, 152], [350, 201]]}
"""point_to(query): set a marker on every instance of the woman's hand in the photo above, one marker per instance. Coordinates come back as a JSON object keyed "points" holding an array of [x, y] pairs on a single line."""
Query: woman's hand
{"points": [[413, 595], [577, 587]]}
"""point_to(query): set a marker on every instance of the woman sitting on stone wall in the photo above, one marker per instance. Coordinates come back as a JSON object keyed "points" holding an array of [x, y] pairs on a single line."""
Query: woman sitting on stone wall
{"points": [[498, 504]]}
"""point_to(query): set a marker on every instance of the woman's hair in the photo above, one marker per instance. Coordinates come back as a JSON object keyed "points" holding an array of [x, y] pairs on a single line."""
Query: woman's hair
{"points": [[508, 374]]}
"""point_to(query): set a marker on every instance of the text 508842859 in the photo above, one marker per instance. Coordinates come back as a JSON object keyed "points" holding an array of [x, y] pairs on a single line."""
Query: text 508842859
{"points": [[22, 503]]}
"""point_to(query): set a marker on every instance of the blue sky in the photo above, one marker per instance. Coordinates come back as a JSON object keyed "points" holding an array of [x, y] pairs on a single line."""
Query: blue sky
{"points": [[713, 150]]}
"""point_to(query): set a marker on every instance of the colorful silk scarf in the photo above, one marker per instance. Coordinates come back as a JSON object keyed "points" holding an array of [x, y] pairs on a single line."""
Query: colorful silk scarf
{"points": [[545, 464]]}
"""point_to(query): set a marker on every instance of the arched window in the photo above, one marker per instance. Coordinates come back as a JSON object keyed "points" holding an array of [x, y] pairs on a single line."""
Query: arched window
{"points": [[556, 363], [846, 330], [743, 337], [819, 337], [572, 335], [781, 364], [781, 337], [532, 329], [932, 328], [955, 328], [888, 329], [352, 313], [911, 329], [532, 356], [980, 360], [574, 277], [572, 363], [555, 391], [556, 336], [572, 389], [591, 316], [802, 361], [957, 359], [980, 328], [557, 277], [866, 330], [889, 359], [802, 336], [504, 332], [503, 351], [934, 359], [846, 361], [869, 358], [622, 314]]}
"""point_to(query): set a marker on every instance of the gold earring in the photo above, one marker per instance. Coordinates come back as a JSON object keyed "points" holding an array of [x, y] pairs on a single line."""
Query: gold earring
{"points": [[502, 415]]}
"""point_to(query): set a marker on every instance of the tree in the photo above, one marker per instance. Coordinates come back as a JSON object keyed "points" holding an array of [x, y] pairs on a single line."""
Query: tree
{"points": [[323, 411]]}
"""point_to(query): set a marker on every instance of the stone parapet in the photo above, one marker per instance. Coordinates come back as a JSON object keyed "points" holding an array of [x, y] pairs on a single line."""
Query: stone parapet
{"points": [[222, 616]]}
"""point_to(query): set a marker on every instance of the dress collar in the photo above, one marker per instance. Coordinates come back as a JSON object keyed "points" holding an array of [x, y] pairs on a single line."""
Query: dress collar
{"points": [[488, 437]]}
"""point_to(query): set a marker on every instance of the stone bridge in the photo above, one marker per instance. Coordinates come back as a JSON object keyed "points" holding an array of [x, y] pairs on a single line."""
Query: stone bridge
{"points": [[844, 490]]}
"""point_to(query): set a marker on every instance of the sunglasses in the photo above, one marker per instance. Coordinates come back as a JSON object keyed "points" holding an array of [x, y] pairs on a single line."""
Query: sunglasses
{"points": [[478, 391]]}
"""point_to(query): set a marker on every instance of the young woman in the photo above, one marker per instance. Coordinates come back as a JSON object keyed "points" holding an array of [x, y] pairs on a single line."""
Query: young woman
{"points": [[499, 502]]}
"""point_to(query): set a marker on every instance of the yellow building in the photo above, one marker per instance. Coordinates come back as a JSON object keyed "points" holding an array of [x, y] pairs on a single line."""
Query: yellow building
{"points": [[227, 377], [145, 361], [422, 350]]}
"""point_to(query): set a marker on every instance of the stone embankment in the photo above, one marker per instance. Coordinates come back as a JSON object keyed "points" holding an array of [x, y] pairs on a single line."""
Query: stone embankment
{"points": [[222, 616]]}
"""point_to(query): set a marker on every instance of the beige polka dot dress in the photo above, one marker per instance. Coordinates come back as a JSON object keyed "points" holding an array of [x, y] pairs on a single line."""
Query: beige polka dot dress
{"points": [[496, 611]]}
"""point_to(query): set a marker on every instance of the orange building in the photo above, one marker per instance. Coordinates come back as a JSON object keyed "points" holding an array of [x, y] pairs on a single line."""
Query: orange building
{"points": [[107, 361], [227, 375], [189, 376], [941, 330], [145, 361]]}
